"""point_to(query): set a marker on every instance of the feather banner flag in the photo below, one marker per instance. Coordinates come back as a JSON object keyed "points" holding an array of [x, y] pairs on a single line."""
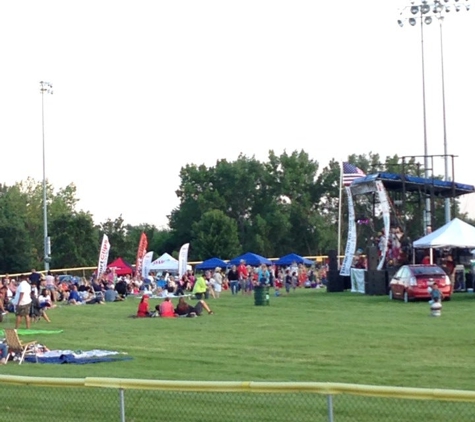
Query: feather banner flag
{"points": [[147, 260], [141, 251], [183, 259], [103, 256]]}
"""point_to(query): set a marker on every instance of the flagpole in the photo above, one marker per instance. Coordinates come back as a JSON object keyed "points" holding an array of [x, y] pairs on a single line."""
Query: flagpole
{"points": [[339, 214]]}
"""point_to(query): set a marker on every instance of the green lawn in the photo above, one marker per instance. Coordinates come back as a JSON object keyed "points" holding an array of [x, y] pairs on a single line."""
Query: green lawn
{"points": [[308, 336]]}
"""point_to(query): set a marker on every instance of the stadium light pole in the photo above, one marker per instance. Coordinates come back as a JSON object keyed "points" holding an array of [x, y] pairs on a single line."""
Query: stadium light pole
{"points": [[441, 10], [421, 11], [45, 88], [425, 11]]}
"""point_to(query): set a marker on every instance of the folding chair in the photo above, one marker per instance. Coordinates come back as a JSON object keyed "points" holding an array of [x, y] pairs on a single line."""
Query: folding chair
{"points": [[16, 346]]}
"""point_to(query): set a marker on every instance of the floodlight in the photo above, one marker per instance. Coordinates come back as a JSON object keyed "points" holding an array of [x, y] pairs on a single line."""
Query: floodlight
{"points": [[412, 21], [415, 10], [428, 20], [425, 8]]}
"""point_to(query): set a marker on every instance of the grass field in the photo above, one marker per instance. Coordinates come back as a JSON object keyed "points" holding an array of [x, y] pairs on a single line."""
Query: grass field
{"points": [[308, 336]]}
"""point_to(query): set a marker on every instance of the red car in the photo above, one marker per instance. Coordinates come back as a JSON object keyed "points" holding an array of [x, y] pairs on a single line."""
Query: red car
{"points": [[414, 281]]}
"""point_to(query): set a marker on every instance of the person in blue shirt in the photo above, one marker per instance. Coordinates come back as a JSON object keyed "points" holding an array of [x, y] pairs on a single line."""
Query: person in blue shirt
{"points": [[263, 275], [74, 296]]}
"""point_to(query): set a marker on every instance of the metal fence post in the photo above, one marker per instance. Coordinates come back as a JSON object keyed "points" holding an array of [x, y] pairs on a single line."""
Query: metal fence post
{"points": [[330, 407], [122, 404]]}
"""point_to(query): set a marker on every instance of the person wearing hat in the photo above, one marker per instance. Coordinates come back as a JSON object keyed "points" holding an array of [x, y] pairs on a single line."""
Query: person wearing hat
{"points": [[218, 282]]}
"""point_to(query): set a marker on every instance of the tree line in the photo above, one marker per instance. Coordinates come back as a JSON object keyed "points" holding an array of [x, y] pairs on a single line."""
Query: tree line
{"points": [[284, 204]]}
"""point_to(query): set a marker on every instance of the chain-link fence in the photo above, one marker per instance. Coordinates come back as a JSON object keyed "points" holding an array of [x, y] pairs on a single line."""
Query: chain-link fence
{"points": [[93, 399]]}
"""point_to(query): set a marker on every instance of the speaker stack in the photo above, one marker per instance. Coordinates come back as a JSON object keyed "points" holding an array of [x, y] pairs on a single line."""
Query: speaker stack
{"points": [[372, 255], [336, 282], [376, 282]]}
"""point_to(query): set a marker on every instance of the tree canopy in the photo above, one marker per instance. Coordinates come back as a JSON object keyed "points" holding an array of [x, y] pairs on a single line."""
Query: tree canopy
{"points": [[288, 203]]}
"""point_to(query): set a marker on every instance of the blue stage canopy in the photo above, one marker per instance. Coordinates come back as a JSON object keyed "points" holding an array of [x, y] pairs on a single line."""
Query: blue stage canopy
{"points": [[398, 182]]}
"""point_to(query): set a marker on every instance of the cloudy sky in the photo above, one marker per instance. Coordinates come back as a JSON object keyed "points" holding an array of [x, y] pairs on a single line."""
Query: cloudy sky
{"points": [[141, 88]]}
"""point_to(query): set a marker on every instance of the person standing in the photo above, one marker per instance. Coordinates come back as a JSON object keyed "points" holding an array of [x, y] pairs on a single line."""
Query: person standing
{"points": [[243, 275], [218, 282], [22, 302], [233, 277]]}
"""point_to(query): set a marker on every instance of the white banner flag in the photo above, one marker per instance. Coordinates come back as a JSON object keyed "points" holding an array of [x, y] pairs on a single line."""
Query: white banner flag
{"points": [[183, 259], [147, 260], [351, 241], [103, 256], [384, 203]]}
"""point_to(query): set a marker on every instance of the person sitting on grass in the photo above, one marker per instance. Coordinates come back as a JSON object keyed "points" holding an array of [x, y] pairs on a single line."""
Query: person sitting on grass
{"points": [[166, 309], [185, 309], [143, 311], [36, 310]]}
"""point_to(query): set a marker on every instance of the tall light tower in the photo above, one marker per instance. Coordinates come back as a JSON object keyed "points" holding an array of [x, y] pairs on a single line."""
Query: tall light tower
{"points": [[443, 8], [422, 11], [45, 88], [426, 11]]}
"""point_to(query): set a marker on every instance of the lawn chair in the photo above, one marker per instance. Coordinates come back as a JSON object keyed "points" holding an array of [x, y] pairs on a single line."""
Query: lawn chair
{"points": [[16, 346]]}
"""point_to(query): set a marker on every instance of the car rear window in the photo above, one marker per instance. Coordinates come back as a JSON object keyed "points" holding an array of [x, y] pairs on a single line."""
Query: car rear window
{"points": [[427, 271]]}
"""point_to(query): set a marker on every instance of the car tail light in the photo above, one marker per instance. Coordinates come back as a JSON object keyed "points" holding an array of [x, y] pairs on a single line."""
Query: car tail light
{"points": [[447, 280], [412, 281]]}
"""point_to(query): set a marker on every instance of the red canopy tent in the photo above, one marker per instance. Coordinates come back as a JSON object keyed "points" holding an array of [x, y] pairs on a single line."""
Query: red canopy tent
{"points": [[121, 267]]}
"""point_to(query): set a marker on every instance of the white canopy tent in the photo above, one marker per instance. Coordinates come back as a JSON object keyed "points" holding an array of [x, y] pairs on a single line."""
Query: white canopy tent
{"points": [[455, 234], [166, 262]]}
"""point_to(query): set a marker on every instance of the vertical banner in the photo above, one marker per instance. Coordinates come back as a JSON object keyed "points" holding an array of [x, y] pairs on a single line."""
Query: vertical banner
{"points": [[383, 200], [351, 241], [183, 259], [103, 256], [147, 260], [141, 251]]}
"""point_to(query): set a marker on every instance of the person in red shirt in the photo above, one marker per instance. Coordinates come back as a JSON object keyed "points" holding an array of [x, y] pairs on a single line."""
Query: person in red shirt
{"points": [[243, 275], [426, 259], [166, 309], [143, 310]]}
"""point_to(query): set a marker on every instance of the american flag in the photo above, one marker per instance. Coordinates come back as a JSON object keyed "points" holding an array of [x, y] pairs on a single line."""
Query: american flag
{"points": [[350, 173]]}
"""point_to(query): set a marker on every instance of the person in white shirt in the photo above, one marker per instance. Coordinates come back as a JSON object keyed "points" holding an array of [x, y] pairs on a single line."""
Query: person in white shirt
{"points": [[22, 302]]}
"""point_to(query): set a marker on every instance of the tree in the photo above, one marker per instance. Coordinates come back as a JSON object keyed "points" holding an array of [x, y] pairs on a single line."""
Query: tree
{"points": [[215, 235], [75, 240]]}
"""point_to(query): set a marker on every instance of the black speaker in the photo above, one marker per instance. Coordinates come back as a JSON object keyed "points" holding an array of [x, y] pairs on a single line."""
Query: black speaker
{"points": [[376, 282], [336, 282], [372, 254], [333, 260]]}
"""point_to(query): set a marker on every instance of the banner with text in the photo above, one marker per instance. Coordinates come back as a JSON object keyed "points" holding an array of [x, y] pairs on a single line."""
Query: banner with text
{"points": [[103, 256], [384, 204], [147, 260], [183, 259], [351, 241], [141, 251]]}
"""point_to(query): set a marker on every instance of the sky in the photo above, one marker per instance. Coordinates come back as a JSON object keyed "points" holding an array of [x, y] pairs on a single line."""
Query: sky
{"points": [[143, 88]]}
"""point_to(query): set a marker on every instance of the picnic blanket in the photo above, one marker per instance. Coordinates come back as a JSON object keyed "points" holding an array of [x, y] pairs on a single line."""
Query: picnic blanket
{"points": [[25, 332], [78, 357]]}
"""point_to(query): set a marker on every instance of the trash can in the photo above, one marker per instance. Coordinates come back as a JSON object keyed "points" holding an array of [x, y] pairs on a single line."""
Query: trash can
{"points": [[261, 295]]}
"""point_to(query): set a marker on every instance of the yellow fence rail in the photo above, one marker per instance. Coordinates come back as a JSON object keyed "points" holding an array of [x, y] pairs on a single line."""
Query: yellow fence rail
{"points": [[117, 399]]}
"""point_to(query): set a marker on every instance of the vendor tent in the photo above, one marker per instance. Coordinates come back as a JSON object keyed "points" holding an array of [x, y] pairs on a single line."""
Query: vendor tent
{"points": [[211, 264], [291, 258], [250, 259], [121, 267], [455, 234], [166, 262]]}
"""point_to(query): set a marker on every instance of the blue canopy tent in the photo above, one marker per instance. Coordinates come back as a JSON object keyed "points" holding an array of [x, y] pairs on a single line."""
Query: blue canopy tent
{"points": [[292, 257], [251, 259], [211, 264]]}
